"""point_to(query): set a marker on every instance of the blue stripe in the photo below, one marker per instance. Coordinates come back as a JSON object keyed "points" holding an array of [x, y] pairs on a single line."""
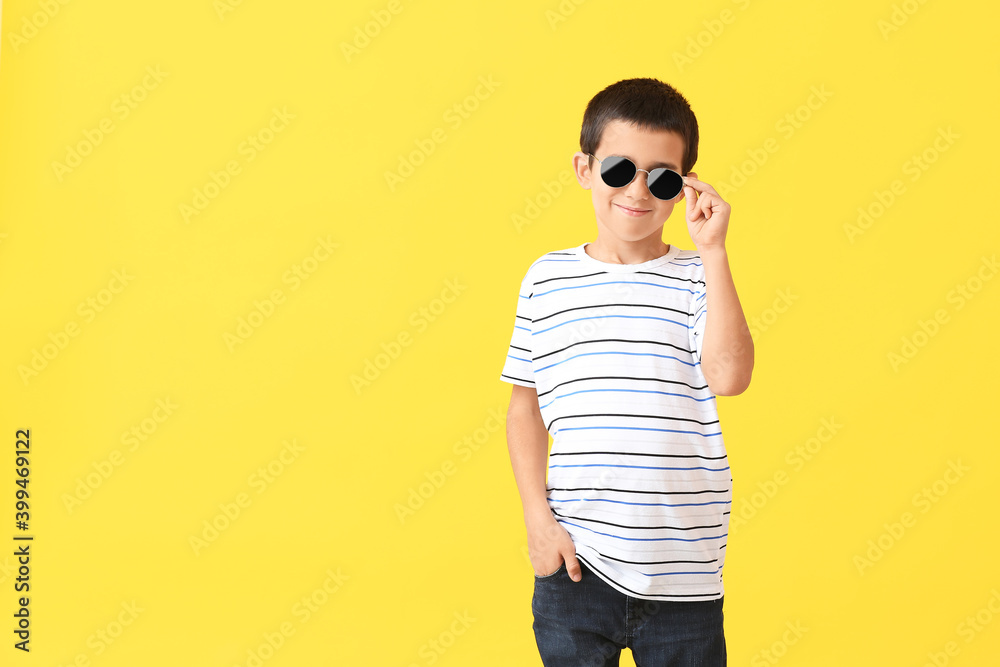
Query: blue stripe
{"points": [[637, 391], [516, 326], [633, 354], [601, 317], [617, 282], [637, 428], [608, 465], [648, 539], [511, 356], [625, 502]]}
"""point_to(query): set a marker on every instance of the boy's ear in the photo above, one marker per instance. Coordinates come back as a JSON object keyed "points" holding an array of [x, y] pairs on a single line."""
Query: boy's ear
{"points": [[581, 169]]}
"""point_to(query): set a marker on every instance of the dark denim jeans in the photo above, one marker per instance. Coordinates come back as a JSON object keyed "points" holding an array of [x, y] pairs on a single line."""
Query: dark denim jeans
{"points": [[588, 623]]}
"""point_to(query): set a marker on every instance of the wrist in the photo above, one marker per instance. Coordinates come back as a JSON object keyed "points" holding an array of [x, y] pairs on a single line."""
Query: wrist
{"points": [[538, 515], [713, 251]]}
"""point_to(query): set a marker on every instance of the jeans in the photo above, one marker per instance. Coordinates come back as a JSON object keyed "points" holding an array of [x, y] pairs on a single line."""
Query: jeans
{"points": [[588, 623]]}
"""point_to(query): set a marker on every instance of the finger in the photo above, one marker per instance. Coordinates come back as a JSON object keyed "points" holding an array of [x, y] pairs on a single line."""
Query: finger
{"points": [[573, 567], [691, 197], [700, 186]]}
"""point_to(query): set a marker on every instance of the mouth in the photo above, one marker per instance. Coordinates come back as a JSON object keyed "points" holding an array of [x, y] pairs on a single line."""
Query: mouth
{"points": [[633, 211]]}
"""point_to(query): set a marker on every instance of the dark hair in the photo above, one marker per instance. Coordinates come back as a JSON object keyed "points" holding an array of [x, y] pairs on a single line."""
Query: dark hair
{"points": [[649, 104]]}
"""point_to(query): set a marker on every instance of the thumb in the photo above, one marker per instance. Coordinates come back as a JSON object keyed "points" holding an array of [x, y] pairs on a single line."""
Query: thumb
{"points": [[573, 566]]}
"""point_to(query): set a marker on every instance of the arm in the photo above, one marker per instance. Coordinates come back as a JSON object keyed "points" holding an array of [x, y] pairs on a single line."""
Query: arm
{"points": [[527, 442], [727, 348]]}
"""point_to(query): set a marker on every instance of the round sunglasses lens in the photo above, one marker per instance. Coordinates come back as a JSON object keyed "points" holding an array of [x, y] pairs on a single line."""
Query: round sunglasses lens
{"points": [[617, 171], [665, 184]]}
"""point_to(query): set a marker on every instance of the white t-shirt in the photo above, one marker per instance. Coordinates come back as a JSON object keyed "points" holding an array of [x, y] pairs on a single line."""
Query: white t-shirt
{"points": [[638, 473]]}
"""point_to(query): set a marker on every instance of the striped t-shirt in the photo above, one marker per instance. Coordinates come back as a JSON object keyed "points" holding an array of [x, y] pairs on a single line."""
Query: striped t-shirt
{"points": [[637, 473]]}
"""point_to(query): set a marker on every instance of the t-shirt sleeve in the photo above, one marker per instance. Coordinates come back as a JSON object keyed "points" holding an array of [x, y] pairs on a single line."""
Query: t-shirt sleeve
{"points": [[698, 316], [517, 367]]}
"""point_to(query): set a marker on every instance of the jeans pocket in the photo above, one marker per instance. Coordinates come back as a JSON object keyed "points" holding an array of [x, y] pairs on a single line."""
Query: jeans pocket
{"points": [[562, 566]]}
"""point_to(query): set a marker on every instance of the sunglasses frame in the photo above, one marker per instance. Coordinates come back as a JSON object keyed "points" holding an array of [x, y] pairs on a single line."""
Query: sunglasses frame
{"points": [[636, 173]]}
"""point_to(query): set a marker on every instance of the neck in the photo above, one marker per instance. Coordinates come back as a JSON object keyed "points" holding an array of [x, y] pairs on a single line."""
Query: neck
{"points": [[624, 252]]}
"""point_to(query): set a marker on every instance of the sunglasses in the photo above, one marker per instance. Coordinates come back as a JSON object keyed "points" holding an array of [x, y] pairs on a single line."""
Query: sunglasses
{"points": [[617, 172]]}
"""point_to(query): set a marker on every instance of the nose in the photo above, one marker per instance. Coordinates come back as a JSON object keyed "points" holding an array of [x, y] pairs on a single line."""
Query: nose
{"points": [[638, 189]]}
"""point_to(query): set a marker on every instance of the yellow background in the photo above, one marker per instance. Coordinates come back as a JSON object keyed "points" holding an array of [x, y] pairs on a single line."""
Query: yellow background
{"points": [[831, 306]]}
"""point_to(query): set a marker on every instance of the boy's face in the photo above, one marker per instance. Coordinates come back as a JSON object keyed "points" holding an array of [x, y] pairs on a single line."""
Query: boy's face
{"points": [[631, 213]]}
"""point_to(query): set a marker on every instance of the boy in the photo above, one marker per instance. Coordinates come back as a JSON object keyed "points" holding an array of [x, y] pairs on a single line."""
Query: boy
{"points": [[619, 348]]}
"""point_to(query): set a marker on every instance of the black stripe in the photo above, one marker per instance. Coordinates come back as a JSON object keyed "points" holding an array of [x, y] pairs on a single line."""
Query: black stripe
{"points": [[607, 305], [523, 349], [673, 456], [620, 377], [661, 493], [586, 275], [658, 562], [517, 378], [653, 273], [622, 525], [615, 340]]}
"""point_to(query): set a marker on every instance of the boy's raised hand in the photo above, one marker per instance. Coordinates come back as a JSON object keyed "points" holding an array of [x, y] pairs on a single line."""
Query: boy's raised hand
{"points": [[707, 214]]}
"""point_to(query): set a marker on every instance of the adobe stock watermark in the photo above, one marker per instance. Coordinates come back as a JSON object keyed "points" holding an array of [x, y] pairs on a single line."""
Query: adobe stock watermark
{"points": [[454, 116], [432, 650], [584, 326], [364, 34], [463, 450], [7, 569], [543, 199], [714, 28], [914, 167], [922, 501], [105, 637], [420, 319], [958, 296], [121, 108], [562, 12], [796, 458], [259, 480], [786, 126], [224, 7], [88, 310], [136, 436], [968, 629], [31, 25], [767, 317], [293, 277], [249, 149], [302, 610], [779, 647], [898, 17]]}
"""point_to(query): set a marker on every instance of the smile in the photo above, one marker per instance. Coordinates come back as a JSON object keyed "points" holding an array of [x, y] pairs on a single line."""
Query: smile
{"points": [[632, 211]]}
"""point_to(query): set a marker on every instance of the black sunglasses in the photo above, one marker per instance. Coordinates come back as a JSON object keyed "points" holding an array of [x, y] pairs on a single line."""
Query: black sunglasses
{"points": [[617, 172]]}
